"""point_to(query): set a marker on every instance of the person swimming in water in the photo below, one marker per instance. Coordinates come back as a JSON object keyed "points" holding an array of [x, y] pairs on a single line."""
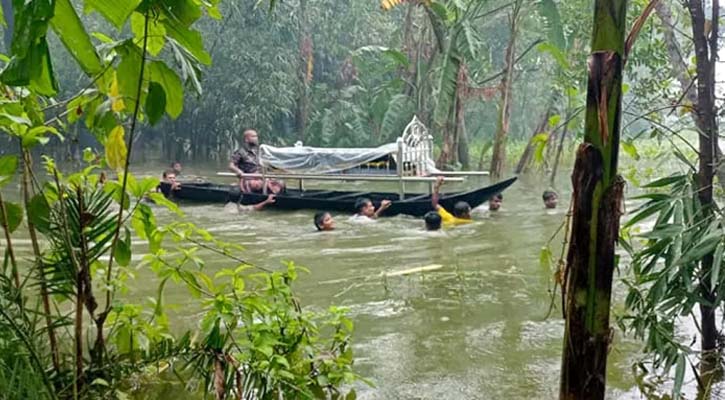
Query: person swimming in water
{"points": [[364, 208], [176, 167], [239, 207], [324, 221], [432, 221], [168, 177], [461, 210], [495, 203], [550, 198]]}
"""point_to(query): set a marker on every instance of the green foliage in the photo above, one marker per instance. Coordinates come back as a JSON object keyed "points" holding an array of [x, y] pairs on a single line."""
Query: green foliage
{"points": [[22, 351], [253, 324], [173, 92], [555, 52], [156, 32], [115, 11], [72, 33], [14, 213], [447, 87], [38, 211], [399, 113], [555, 29], [155, 103], [540, 141], [20, 120], [116, 151], [629, 148], [665, 268], [30, 63], [8, 166]]}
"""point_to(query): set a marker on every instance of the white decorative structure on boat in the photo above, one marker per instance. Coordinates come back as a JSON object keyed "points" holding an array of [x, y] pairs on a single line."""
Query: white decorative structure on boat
{"points": [[412, 152], [415, 149]]}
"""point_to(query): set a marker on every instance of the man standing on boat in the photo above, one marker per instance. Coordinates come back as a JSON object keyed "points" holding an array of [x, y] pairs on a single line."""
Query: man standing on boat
{"points": [[245, 160]]}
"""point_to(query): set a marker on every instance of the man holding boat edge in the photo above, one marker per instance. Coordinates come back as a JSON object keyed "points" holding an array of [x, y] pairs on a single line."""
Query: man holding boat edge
{"points": [[245, 160]]}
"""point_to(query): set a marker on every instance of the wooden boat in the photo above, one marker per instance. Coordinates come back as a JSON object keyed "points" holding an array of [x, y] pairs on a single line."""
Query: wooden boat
{"points": [[332, 200], [408, 160]]}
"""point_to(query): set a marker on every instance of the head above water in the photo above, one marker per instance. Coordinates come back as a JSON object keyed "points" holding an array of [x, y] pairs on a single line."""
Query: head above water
{"points": [[495, 203], [462, 210], [550, 198], [169, 176], [364, 206], [176, 167], [432, 221], [324, 221], [251, 137]]}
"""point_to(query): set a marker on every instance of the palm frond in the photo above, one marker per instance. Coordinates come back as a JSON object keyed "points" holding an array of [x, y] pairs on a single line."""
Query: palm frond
{"points": [[469, 42], [328, 127], [439, 27], [81, 221], [554, 28], [447, 87], [400, 111]]}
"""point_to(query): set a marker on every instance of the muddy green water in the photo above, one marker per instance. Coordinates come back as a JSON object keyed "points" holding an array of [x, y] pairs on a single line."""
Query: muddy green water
{"points": [[473, 329]]}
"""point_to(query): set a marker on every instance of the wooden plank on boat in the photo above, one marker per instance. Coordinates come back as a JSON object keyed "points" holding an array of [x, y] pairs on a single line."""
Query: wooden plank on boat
{"points": [[342, 177]]}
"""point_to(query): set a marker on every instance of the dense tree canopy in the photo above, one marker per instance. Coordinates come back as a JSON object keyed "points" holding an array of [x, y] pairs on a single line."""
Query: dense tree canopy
{"points": [[500, 83]]}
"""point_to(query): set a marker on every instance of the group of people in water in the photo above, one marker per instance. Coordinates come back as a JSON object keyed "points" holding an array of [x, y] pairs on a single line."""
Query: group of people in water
{"points": [[435, 219], [245, 161]]}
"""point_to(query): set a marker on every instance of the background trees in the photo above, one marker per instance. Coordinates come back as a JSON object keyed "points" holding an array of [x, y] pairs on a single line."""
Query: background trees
{"points": [[356, 79]]}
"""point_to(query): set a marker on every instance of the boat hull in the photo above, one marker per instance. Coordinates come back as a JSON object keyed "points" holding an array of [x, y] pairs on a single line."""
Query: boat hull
{"points": [[341, 201]]}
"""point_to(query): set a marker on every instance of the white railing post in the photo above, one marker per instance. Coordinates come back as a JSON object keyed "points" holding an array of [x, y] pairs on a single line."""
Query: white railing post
{"points": [[401, 167]]}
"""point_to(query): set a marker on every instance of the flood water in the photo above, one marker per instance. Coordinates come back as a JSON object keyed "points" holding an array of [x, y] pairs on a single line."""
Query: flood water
{"points": [[473, 329]]}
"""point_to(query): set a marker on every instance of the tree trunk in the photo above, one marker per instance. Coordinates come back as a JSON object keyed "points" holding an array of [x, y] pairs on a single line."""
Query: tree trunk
{"points": [[44, 295], [461, 141], [596, 208], [679, 67], [305, 71], [498, 159], [706, 44], [680, 72], [525, 159], [449, 149], [78, 333], [410, 47], [464, 156], [560, 148]]}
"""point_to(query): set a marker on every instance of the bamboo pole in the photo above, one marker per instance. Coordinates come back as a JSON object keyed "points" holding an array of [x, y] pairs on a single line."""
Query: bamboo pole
{"points": [[44, 294], [706, 54], [596, 208]]}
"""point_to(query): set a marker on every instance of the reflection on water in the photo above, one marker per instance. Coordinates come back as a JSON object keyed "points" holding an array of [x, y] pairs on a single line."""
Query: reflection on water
{"points": [[473, 329]]}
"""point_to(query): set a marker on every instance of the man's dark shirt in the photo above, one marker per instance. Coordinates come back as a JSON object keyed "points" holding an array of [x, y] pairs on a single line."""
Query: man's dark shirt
{"points": [[246, 158]]}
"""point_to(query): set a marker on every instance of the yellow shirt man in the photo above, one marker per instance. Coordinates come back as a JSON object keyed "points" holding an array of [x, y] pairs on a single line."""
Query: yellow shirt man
{"points": [[449, 219]]}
